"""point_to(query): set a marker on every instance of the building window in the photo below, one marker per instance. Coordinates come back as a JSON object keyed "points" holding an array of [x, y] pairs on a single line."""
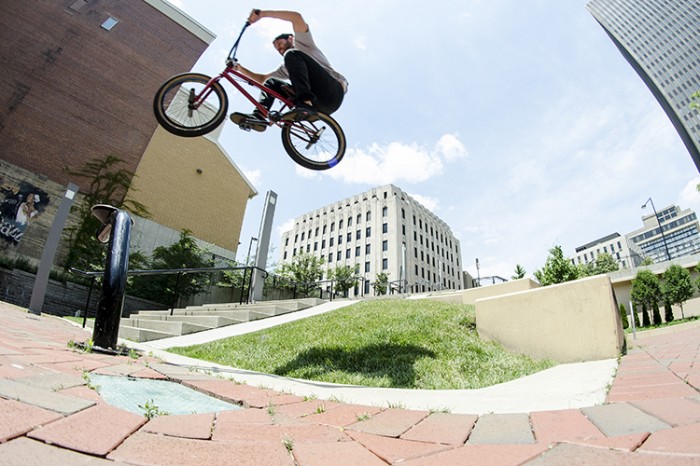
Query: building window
{"points": [[357, 251], [333, 226], [385, 211], [347, 253], [385, 264], [331, 243], [109, 23], [366, 266], [330, 257], [339, 255], [358, 235], [349, 237], [368, 216], [368, 233], [368, 248], [385, 245], [340, 239], [349, 222], [385, 228]]}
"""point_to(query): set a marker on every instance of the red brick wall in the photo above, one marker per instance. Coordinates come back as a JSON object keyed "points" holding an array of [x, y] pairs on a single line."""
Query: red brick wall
{"points": [[71, 91]]}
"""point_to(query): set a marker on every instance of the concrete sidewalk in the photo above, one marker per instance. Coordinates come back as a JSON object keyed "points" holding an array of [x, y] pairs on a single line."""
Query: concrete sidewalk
{"points": [[48, 414]]}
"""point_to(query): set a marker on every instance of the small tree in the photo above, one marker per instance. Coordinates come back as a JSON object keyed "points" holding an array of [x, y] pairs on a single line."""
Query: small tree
{"points": [[557, 269], [344, 277], [519, 272], [656, 314], [668, 312], [304, 269], [677, 287], [623, 316], [107, 183], [381, 283], [183, 254], [646, 290]]}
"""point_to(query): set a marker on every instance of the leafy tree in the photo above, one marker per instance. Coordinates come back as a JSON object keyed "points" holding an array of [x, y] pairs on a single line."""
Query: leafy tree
{"points": [[107, 183], [304, 268], [604, 263], [647, 261], [677, 287], [557, 269], [381, 284], [519, 272], [668, 312], [344, 277], [623, 316], [185, 253], [656, 314], [646, 290]]}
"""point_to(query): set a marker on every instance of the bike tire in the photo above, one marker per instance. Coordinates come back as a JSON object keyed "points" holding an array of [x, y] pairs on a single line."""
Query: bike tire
{"points": [[317, 143], [174, 113]]}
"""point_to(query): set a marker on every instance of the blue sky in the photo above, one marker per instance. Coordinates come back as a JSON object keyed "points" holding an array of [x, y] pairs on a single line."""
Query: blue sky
{"points": [[517, 122]]}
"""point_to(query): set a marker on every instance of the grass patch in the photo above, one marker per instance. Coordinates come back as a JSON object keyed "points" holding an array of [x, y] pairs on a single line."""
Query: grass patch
{"points": [[385, 343], [665, 324]]}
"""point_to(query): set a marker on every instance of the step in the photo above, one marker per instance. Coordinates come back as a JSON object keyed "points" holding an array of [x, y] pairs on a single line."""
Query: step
{"points": [[174, 328], [140, 335]]}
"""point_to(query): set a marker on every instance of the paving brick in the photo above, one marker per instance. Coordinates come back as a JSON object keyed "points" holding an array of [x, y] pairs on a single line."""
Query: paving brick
{"points": [[482, 455], [194, 426], [336, 454], [502, 429], [249, 396], [391, 422], [673, 411], [53, 381], [622, 419], [684, 439], [19, 418], [450, 429], [623, 442], [42, 398], [95, 431], [570, 454], [394, 450], [344, 415], [297, 433], [304, 409], [148, 373], [564, 425], [143, 448], [27, 452]]}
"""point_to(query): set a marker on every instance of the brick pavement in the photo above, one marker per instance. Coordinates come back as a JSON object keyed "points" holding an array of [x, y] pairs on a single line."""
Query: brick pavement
{"points": [[48, 414]]}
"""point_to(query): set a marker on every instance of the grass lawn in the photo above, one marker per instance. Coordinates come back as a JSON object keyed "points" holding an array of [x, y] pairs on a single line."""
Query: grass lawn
{"points": [[381, 343]]}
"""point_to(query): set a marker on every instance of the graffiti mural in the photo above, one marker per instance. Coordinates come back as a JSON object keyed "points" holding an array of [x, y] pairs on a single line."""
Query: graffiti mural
{"points": [[20, 205]]}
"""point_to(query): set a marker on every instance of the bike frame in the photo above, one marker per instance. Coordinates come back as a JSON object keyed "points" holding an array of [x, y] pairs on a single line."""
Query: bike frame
{"points": [[233, 76]]}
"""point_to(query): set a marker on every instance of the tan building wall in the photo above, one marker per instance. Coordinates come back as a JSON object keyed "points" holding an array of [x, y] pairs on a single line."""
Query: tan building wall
{"points": [[192, 183], [570, 322]]}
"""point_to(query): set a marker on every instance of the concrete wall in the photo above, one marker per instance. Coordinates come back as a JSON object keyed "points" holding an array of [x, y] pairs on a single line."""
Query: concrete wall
{"points": [[570, 322], [471, 295]]}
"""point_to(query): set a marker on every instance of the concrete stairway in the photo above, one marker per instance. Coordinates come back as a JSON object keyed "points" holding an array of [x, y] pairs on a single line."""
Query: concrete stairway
{"points": [[154, 325]]}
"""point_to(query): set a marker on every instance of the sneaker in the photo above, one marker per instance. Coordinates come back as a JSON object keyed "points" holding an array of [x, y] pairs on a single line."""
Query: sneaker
{"points": [[248, 121], [299, 113]]}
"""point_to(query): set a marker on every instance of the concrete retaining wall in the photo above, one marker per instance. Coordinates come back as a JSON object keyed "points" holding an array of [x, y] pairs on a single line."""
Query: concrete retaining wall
{"points": [[570, 322]]}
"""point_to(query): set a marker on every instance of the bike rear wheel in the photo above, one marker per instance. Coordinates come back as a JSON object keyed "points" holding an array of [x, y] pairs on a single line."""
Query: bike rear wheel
{"points": [[317, 143], [184, 106]]}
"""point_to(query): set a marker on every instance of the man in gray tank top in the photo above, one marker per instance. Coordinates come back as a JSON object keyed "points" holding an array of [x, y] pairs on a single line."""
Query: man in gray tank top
{"points": [[315, 85]]}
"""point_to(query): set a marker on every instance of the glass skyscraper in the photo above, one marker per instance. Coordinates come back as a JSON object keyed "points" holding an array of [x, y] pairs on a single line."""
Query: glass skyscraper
{"points": [[661, 40]]}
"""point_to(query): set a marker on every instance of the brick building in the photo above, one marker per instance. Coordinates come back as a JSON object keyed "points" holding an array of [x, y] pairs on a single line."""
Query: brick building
{"points": [[74, 88]]}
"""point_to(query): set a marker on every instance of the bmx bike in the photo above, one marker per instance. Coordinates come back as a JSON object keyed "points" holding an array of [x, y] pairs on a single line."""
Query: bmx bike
{"points": [[193, 104]]}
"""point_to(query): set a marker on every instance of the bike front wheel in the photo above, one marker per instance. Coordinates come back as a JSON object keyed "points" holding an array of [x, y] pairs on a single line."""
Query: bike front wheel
{"points": [[316, 143], [190, 105]]}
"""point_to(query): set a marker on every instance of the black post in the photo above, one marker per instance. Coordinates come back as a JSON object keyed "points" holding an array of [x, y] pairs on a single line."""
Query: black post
{"points": [[109, 310]]}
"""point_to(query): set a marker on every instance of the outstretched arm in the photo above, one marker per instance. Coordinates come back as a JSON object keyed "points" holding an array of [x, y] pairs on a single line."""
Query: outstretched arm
{"points": [[298, 23]]}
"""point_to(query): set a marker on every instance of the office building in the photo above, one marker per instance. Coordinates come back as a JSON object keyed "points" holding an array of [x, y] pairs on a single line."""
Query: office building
{"points": [[614, 245], [660, 39], [671, 234], [383, 230]]}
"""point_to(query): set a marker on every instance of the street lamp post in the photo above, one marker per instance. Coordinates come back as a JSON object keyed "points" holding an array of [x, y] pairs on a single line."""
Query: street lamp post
{"points": [[250, 245], [663, 236]]}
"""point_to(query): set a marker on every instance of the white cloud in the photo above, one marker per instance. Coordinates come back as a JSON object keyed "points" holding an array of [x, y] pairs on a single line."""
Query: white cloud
{"points": [[286, 226], [689, 197], [397, 162], [451, 147], [361, 43], [254, 176], [428, 202]]}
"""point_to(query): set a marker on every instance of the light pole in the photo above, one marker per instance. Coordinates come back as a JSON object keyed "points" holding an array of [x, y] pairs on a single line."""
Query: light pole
{"points": [[478, 277], [663, 236], [250, 245]]}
